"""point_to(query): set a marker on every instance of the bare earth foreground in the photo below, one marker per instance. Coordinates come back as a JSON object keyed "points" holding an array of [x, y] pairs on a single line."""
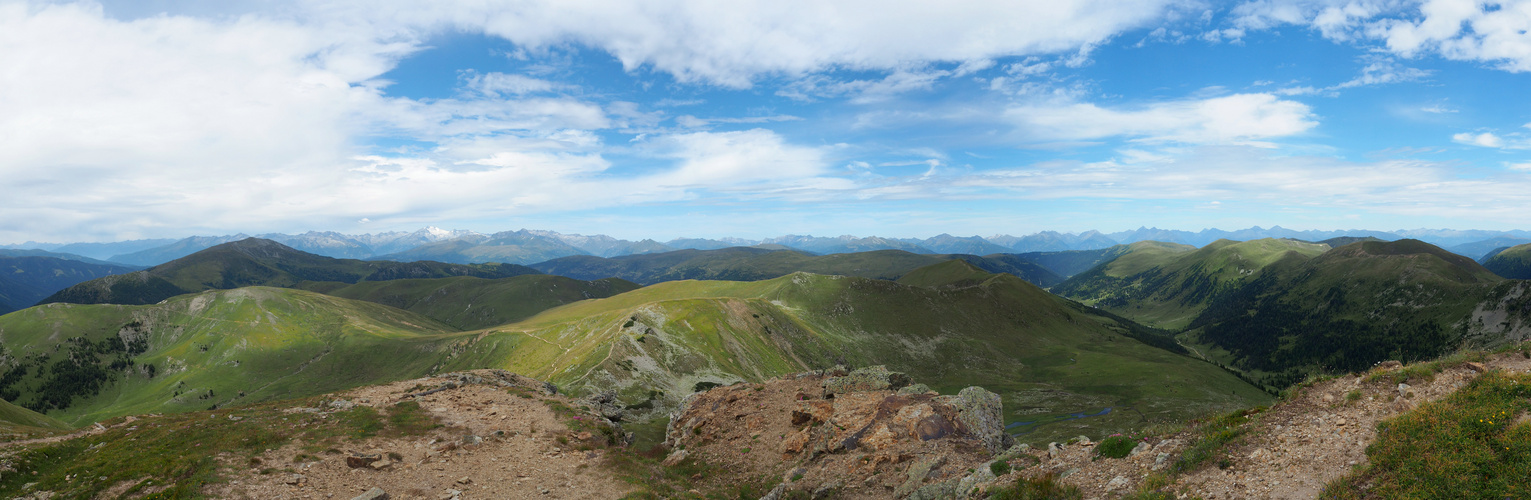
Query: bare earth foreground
{"points": [[862, 434], [494, 444], [1290, 451]]}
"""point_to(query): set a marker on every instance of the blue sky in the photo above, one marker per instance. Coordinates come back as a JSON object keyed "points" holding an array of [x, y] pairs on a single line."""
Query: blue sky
{"points": [[662, 119]]}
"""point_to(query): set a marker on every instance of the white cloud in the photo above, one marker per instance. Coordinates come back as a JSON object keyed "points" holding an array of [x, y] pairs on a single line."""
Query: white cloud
{"points": [[1438, 109], [1512, 140], [1237, 118], [502, 84], [1464, 30], [731, 44], [1521, 167], [689, 121], [1486, 139]]}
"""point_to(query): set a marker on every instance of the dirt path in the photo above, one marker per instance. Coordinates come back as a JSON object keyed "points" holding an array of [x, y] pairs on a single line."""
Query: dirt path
{"points": [[494, 444], [1289, 452]]}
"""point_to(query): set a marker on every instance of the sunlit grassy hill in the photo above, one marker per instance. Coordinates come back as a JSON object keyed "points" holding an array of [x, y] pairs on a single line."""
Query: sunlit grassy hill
{"points": [[1513, 262], [1167, 285], [1049, 357], [471, 303], [82, 363]]}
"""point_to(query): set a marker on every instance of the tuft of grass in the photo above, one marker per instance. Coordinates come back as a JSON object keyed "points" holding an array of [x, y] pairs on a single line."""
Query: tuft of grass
{"points": [[1474, 443], [1045, 487], [999, 468], [1117, 446], [1214, 435]]}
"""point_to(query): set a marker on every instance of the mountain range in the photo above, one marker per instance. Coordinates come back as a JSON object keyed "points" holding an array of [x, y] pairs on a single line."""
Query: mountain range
{"points": [[532, 246]]}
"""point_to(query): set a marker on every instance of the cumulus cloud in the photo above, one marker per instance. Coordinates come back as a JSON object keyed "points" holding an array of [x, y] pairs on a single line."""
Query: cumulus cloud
{"points": [[733, 43], [1237, 118], [1492, 32]]}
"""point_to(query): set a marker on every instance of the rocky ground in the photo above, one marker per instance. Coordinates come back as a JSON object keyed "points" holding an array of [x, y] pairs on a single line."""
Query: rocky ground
{"points": [[1288, 452], [862, 434], [494, 443]]}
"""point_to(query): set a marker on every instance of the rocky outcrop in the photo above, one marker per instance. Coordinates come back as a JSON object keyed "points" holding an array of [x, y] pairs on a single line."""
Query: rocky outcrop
{"points": [[854, 430]]}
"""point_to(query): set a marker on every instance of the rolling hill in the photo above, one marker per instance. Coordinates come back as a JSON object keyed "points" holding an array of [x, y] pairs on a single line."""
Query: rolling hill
{"points": [[1357, 305], [1050, 357], [1513, 262], [470, 303], [753, 264], [1168, 285], [252, 262], [82, 363]]}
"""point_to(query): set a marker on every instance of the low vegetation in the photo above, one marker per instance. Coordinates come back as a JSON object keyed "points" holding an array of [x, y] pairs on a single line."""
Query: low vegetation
{"points": [[175, 456], [1475, 443]]}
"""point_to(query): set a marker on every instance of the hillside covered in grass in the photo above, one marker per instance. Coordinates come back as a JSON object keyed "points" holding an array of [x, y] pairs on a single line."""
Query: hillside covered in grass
{"points": [[1167, 285], [471, 303], [82, 363], [754, 264], [1051, 359], [1511, 262], [258, 262]]}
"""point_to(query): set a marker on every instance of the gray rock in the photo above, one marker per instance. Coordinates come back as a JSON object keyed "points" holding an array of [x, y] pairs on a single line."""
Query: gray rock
{"points": [[1053, 450], [871, 378], [827, 490], [936, 491], [1140, 448], [978, 478], [984, 415], [1116, 483], [776, 492], [914, 390], [917, 475], [373, 494]]}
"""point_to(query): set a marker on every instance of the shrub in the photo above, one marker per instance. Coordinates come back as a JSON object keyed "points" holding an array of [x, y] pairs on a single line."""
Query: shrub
{"points": [[1116, 446]]}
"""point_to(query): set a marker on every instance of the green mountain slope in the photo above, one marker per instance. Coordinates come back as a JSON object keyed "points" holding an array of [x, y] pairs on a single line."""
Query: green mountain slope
{"points": [[514, 247], [25, 280], [1354, 306], [17, 419], [1168, 285], [82, 363], [1067, 263], [1513, 262], [469, 303], [1049, 357], [258, 262], [753, 264], [949, 274]]}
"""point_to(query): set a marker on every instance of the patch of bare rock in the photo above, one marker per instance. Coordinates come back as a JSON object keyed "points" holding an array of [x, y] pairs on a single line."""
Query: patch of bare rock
{"points": [[860, 434], [1288, 452], [495, 443]]}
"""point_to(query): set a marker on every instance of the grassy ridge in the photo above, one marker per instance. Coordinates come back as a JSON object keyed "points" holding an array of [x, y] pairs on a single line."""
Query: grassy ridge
{"points": [[1168, 285], [258, 262], [1347, 309], [754, 264], [84, 363], [470, 303], [1513, 262], [1048, 357]]}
